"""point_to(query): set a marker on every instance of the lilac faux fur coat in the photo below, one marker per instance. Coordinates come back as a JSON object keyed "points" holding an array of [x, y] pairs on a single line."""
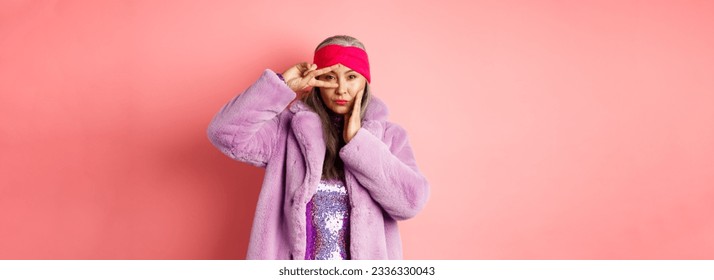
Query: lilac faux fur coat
{"points": [[381, 175]]}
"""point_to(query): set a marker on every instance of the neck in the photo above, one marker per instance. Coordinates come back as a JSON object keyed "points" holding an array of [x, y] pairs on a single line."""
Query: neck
{"points": [[334, 115], [337, 120]]}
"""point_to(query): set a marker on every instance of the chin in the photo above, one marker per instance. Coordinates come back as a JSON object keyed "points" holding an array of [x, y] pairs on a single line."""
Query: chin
{"points": [[341, 112]]}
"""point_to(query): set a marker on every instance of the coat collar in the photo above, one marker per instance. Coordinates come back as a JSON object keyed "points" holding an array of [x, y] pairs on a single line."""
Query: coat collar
{"points": [[307, 130]]}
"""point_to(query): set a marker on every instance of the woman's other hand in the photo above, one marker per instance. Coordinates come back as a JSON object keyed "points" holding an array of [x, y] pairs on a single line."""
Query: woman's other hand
{"points": [[303, 76], [353, 122]]}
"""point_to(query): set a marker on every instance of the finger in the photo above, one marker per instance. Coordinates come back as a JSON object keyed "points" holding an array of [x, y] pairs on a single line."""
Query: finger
{"points": [[318, 72], [358, 101], [350, 120], [307, 67], [302, 66], [324, 70], [322, 84], [360, 95], [311, 74]]}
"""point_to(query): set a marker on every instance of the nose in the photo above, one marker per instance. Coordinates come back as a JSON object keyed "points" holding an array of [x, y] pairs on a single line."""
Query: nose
{"points": [[341, 87]]}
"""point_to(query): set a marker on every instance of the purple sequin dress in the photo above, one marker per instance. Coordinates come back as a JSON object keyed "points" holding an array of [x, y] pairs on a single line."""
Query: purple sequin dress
{"points": [[328, 218], [328, 222]]}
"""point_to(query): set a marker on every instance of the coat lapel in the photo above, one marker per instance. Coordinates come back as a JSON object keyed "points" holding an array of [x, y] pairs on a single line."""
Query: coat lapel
{"points": [[307, 132], [307, 129]]}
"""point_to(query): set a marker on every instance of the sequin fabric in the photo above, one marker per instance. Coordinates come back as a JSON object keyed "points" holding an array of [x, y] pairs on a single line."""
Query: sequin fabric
{"points": [[328, 222]]}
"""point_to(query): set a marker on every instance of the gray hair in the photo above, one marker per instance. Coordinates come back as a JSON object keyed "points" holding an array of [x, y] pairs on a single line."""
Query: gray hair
{"points": [[342, 40]]}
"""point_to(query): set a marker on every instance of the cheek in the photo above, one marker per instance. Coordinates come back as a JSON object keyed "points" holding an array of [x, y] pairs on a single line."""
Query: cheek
{"points": [[325, 94], [356, 88]]}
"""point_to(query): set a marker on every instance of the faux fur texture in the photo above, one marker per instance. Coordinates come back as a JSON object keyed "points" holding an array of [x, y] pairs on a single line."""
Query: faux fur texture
{"points": [[263, 128]]}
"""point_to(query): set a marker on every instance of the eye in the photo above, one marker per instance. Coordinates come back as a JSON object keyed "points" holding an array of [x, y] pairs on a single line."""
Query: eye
{"points": [[353, 76]]}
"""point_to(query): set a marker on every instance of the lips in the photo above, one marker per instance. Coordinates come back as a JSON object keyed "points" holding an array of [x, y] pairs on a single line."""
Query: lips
{"points": [[341, 102]]}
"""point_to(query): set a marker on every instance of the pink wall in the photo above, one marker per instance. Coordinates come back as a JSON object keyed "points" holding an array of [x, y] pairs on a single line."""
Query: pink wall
{"points": [[547, 129]]}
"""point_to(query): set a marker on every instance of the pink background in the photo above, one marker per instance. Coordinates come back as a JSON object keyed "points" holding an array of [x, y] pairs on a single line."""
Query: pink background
{"points": [[547, 129]]}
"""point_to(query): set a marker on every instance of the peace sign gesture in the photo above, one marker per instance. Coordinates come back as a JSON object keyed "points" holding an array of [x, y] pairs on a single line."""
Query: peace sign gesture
{"points": [[301, 77]]}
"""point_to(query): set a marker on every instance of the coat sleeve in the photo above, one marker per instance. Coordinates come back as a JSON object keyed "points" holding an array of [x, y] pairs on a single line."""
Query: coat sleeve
{"points": [[247, 127], [388, 170]]}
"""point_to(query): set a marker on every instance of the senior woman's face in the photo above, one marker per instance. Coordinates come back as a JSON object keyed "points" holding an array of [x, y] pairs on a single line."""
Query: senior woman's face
{"points": [[341, 99]]}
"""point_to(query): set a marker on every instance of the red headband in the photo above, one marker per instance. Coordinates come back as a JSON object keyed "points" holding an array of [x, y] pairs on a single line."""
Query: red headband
{"points": [[352, 57]]}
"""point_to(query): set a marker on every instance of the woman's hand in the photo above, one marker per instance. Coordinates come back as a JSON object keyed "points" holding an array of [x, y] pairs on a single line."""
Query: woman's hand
{"points": [[353, 122], [302, 77]]}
